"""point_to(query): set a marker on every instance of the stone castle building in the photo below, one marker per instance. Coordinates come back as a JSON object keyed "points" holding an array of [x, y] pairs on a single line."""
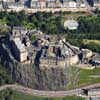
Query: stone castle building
{"points": [[19, 50]]}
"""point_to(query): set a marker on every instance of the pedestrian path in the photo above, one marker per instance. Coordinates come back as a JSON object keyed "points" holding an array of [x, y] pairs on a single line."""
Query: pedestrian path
{"points": [[33, 92]]}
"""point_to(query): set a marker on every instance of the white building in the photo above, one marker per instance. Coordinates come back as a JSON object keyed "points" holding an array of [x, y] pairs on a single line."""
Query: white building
{"points": [[97, 3], [42, 3], [65, 3], [51, 3], [0, 4], [83, 5], [72, 4], [35, 4]]}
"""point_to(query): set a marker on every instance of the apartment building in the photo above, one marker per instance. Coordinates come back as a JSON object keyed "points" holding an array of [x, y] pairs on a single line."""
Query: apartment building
{"points": [[49, 3]]}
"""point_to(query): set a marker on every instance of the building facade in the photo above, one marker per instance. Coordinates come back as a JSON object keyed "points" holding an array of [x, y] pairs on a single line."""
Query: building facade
{"points": [[96, 3], [27, 3], [42, 3], [35, 4]]}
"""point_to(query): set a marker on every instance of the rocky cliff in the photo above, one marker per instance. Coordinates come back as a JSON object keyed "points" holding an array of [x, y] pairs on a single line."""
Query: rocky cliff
{"points": [[29, 74]]}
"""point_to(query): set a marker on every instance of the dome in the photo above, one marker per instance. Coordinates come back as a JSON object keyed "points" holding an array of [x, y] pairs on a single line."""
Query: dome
{"points": [[71, 24]]}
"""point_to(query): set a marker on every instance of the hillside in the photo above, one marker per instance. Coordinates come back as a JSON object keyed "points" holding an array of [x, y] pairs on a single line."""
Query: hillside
{"points": [[5, 77], [28, 74], [13, 95]]}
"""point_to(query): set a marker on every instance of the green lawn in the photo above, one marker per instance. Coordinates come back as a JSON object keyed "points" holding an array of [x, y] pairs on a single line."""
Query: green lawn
{"points": [[96, 42], [94, 45], [84, 78], [3, 21], [89, 76]]}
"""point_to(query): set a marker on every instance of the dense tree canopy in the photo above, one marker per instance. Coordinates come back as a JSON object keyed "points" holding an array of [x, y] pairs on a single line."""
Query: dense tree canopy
{"points": [[89, 26], [51, 23]]}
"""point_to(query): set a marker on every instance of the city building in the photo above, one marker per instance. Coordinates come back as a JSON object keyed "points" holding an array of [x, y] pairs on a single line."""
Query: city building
{"points": [[0, 4], [96, 3], [51, 4], [27, 3], [42, 3], [72, 4], [65, 3], [83, 5], [91, 2], [35, 4]]}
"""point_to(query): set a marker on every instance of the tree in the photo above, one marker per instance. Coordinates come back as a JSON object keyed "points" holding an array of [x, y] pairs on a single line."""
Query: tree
{"points": [[4, 30]]}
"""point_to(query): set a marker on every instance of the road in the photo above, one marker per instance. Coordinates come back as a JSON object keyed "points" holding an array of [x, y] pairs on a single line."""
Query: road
{"points": [[29, 11], [33, 92], [96, 98]]}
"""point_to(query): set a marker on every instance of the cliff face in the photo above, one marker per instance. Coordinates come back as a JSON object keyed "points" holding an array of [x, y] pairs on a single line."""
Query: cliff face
{"points": [[30, 75]]}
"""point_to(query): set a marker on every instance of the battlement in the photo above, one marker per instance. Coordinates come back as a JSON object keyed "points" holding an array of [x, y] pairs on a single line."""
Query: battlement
{"points": [[52, 63]]}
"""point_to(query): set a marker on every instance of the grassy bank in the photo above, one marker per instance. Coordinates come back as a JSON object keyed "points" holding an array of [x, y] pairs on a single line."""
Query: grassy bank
{"points": [[89, 76], [18, 96], [84, 77], [12, 95], [5, 77]]}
